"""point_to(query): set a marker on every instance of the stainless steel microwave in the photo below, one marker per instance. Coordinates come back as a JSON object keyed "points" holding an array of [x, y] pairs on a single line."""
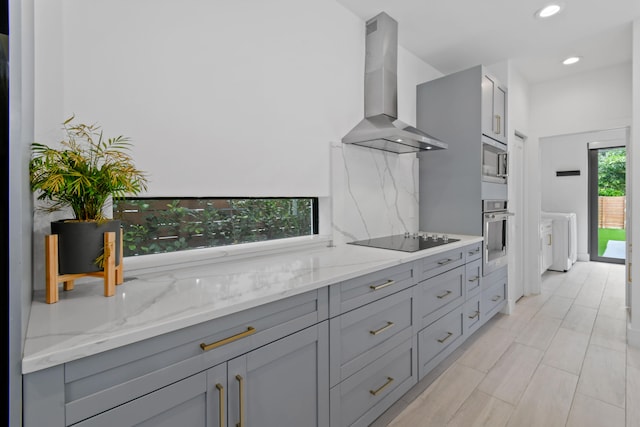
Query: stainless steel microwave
{"points": [[494, 161]]}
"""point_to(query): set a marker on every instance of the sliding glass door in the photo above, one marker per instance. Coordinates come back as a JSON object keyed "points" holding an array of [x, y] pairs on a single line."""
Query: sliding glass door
{"points": [[607, 204]]}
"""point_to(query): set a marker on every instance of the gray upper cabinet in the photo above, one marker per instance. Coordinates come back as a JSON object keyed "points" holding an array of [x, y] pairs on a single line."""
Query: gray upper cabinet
{"points": [[494, 108]]}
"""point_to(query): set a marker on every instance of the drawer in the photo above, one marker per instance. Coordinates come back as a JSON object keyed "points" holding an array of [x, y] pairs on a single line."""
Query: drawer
{"points": [[493, 298], [436, 296], [105, 380], [363, 397], [362, 290], [473, 252], [473, 273], [471, 315], [436, 264], [438, 340], [364, 334]]}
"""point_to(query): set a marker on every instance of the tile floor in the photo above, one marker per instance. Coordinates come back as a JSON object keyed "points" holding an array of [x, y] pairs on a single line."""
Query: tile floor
{"points": [[560, 359]]}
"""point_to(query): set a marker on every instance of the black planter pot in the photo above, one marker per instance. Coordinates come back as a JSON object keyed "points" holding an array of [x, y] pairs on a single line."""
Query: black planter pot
{"points": [[80, 243]]}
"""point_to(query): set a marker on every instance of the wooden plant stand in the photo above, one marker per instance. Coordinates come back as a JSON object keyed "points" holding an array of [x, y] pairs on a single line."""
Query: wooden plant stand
{"points": [[112, 275]]}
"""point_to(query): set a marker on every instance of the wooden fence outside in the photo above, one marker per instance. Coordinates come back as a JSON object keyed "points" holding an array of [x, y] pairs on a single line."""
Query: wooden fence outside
{"points": [[612, 212]]}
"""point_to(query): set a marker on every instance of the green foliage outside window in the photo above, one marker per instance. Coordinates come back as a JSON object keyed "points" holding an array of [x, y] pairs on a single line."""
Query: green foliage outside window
{"points": [[159, 225], [612, 172]]}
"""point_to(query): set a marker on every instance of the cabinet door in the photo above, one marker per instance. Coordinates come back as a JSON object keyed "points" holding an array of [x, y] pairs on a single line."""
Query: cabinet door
{"points": [[494, 109], [285, 383], [180, 404]]}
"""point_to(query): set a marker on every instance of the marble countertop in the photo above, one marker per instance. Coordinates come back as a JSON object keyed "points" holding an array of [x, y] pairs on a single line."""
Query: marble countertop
{"points": [[84, 322]]}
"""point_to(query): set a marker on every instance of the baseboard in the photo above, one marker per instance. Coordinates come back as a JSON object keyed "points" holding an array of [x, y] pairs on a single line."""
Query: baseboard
{"points": [[583, 257]]}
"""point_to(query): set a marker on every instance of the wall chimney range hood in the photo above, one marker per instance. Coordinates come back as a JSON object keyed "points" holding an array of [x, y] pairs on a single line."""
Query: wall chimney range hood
{"points": [[381, 129]]}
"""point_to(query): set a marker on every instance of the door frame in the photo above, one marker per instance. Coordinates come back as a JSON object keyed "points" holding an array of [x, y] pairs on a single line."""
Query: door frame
{"points": [[515, 234], [592, 197]]}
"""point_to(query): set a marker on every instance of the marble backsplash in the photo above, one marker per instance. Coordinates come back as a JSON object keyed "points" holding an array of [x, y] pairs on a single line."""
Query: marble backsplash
{"points": [[374, 193]]}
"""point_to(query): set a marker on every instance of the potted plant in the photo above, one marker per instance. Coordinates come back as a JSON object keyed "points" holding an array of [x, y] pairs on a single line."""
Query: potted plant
{"points": [[83, 173]]}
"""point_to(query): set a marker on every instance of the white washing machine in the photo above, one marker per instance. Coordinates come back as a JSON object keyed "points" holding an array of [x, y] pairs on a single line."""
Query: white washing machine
{"points": [[565, 239]]}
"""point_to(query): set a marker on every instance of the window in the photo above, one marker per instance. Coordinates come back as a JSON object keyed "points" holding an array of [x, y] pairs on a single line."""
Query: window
{"points": [[161, 225]]}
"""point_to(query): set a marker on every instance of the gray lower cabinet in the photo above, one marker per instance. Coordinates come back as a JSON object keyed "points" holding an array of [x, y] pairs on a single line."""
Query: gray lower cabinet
{"points": [[363, 397], [140, 380], [338, 356], [281, 384]]}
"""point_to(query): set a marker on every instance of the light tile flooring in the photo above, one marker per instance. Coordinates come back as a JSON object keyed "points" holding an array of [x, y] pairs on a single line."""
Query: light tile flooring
{"points": [[560, 359]]}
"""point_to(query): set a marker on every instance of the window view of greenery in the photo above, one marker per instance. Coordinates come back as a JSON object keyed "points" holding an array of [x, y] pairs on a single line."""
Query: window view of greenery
{"points": [[611, 202], [154, 226]]}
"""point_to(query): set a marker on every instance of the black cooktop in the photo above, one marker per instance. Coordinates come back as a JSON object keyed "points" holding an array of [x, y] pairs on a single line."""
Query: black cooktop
{"points": [[406, 242]]}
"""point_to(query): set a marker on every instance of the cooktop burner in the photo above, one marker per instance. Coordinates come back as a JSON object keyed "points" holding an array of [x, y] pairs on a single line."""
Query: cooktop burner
{"points": [[406, 242]]}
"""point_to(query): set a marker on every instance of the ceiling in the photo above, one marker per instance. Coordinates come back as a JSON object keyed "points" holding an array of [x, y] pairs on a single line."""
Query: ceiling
{"points": [[453, 35]]}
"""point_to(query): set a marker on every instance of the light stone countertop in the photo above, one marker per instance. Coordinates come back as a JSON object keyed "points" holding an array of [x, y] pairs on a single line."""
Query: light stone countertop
{"points": [[84, 322]]}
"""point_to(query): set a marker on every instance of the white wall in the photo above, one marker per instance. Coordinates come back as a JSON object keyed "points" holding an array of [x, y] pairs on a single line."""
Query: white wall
{"points": [[571, 193], [229, 99], [595, 100], [219, 98]]}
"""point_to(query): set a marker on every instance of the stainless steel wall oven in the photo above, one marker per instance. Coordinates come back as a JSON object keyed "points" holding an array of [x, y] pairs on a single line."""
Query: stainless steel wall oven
{"points": [[494, 216]]}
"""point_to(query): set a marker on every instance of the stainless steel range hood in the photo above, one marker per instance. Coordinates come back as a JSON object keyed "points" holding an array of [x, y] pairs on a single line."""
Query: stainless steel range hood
{"points": [[381, 128]]}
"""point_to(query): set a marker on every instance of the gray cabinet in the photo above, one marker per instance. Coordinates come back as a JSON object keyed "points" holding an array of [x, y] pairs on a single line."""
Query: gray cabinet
{"points": [[283, 383], [373, 357], [494, 292], [494, 108], [143, 375], [461, 109], [337, 356]]}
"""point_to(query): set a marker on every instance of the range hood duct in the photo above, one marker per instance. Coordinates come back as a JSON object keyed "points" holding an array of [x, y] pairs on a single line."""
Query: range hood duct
{"points": [[381, 129]]}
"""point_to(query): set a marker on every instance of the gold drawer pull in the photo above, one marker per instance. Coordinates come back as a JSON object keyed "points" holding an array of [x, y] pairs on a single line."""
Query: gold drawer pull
{"points": [[382, 286], [444, 261], [449, 334], [385, 385], [477, 250], [475, 315], [250, 331], [474, 279], [241, 393], [220, 404], [446, 293], [496, 298], [384, 328]]}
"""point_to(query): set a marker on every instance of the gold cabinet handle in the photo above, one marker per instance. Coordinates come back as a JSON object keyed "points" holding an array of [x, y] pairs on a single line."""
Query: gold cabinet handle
{"points": [[477, 250], [250, 331], [220, 404], [384, 328], [475, 315], [550, 240], [498, 130], [449, 334], [382, 286], [629, 272], [446, 293], [385, 385], [496, 298], [241, 393], [444, 261], [474, 279]]}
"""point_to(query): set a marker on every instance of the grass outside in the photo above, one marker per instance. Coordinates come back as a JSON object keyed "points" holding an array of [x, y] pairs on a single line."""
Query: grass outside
{"points": [[606, 234]]}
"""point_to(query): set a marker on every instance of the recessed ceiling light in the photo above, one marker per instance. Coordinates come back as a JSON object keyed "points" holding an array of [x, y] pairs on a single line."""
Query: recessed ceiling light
{"points": [[571, 60], [548, 11]]}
